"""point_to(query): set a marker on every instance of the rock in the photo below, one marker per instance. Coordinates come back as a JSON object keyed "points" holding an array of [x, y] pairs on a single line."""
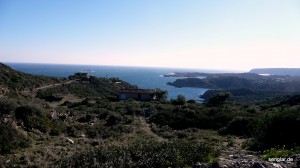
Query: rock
{"points": [[53, 114], [70, 140], [258, 165], [234, 156], [214, 165], [36, 131], [276, 165], [297, 160], [197, 165], [224, 166]]}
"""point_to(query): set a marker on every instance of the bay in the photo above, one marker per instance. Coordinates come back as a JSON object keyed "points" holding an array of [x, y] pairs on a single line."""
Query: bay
{"points": [[144, 77]]}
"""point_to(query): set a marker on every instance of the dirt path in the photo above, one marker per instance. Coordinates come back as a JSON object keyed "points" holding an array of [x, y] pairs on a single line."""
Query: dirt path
{"points": [[48, 86], [54, 85], [147, 128]]}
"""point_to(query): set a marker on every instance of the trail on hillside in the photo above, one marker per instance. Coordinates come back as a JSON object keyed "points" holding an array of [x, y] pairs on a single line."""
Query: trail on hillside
{"points": [[147, 128], [54, 85], [48, 86]]}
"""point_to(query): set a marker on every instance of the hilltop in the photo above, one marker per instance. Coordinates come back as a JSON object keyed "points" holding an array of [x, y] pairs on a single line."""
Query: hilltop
{"points": [[12, 80]]}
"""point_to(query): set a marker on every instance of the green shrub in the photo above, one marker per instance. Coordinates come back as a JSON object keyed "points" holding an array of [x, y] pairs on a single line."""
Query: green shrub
{"points": [[11, 139], [181, 100], [191, 101], [7, 106], [86, 118], [239, 126], [143, 154], [279, 153], [217, 99], [277, 129], [33, 118], [57, 128], [113, 119], [160, 95]]}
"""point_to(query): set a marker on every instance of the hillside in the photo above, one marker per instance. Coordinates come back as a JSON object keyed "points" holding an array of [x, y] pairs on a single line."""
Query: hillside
{"points": [[277, 71], [244, 87], [12, 80], [80, 123], [226, 80]]}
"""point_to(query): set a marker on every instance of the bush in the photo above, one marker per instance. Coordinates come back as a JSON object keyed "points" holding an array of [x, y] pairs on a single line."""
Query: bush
{"points": [[279, 153], [160, 95], [7, 106], [33, 118], [277, 129], [113, 119], [57, 128], [55, 131], [239, 126], [177, 119], [181, 100], [191, 101], [217, 99], [86, 118], [11, 139], [143, 154]]}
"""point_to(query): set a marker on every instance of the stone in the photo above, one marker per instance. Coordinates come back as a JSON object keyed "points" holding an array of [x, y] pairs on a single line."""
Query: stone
{"points": [[276, 165], [197, 165], [70, 140], [258, 165]]}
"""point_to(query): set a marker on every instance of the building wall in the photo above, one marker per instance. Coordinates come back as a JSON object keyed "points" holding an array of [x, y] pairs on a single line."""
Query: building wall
{"points": [[125, 96], [145, 97]]}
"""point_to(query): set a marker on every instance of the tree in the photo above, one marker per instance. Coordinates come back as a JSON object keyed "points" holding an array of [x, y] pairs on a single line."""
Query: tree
{"points": [[217, 99], [160, 95], [181, 100]]}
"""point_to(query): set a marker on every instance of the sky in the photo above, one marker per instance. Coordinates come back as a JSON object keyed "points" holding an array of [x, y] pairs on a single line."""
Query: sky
{"points": [[201, 34]]}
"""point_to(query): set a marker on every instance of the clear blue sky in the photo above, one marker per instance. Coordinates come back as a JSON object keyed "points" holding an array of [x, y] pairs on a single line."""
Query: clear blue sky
{"points": [[211, 34]]}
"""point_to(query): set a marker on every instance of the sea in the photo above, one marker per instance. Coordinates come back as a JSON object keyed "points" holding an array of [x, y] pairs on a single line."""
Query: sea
{"points": [[143, 77]]}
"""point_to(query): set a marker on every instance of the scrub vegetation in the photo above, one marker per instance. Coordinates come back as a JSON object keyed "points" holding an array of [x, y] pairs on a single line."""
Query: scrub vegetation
{"points": [[82, 124]]}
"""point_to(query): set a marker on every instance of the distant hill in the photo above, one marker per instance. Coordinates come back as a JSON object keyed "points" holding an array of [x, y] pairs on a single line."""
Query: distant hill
{"points": [[277, 71], [12, 80], [224, 82], [244, 87]]}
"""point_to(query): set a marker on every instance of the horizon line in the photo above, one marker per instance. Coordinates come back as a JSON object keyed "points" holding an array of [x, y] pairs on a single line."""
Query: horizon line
{"points": [[137, 66]]}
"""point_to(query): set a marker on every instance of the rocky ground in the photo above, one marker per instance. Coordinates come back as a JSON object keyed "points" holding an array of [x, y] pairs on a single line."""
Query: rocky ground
{"points": [[234, 156]]}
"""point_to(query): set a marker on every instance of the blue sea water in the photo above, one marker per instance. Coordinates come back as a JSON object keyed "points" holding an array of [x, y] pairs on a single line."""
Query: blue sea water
{"points": [[146, 78]]}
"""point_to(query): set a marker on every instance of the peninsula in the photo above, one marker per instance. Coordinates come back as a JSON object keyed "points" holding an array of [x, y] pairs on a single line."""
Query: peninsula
{"points": [[243, 87]]}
